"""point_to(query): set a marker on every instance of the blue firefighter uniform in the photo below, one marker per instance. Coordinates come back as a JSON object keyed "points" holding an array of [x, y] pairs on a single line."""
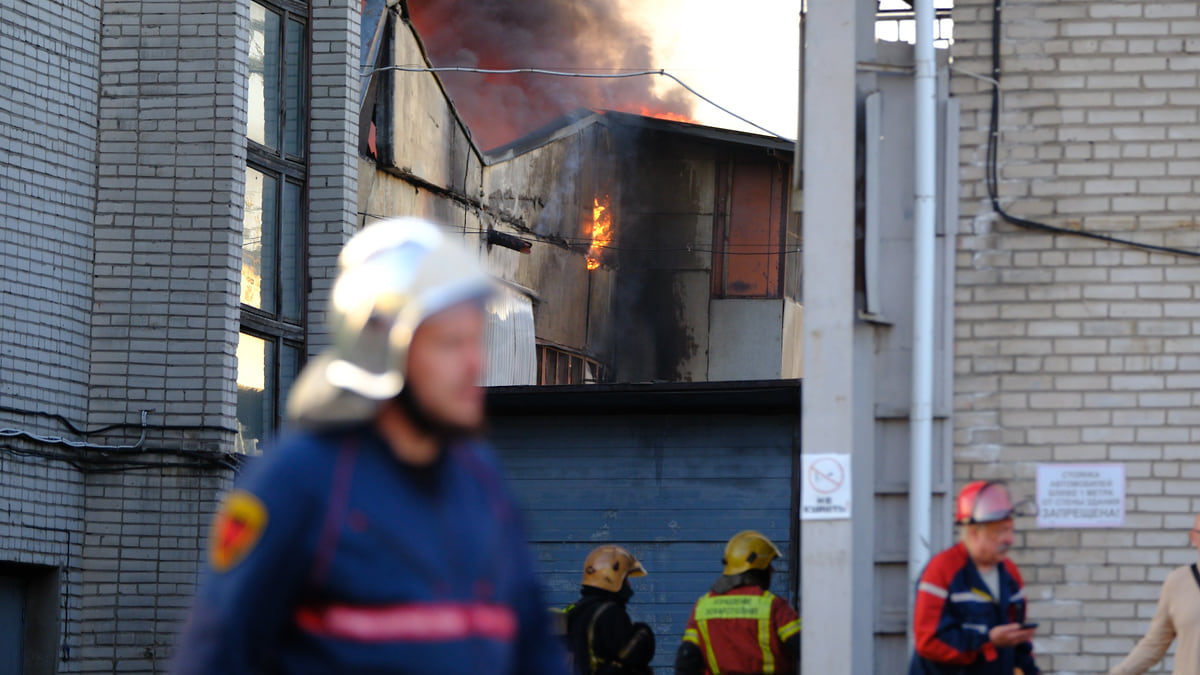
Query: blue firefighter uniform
{"points": [[332, 556], [954, 612]]}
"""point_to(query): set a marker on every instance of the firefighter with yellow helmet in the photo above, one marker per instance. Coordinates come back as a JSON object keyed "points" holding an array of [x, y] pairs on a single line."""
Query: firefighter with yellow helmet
{"points": [[602, 638], [740, 626]]}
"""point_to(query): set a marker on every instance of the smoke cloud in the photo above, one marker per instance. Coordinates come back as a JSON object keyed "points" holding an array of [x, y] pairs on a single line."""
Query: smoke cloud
{"points": [[587, 36]]}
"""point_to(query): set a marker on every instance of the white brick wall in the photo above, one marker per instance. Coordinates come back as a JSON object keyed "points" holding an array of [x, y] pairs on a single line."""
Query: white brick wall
{"points": [[168, 216], [333, 178], [47, 193], [142, 538], [123, 128], [44, 526], [1070, 349]]}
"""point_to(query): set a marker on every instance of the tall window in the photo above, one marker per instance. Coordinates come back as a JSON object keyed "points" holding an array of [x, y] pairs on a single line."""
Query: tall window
{"points": [[749, 229], [274, 283]]}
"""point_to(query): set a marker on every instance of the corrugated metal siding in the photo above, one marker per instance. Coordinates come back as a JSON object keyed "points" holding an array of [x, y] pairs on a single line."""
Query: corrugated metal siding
{"points": [[671, 488], [509, 340]]}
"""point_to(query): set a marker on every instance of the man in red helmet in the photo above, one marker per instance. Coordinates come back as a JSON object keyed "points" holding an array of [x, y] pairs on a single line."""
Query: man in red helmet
{"points": [[970, 609]]}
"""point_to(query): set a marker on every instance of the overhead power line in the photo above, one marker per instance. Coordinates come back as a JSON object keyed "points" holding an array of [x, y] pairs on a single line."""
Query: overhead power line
{"points": [[561, 73], [580, 244]]}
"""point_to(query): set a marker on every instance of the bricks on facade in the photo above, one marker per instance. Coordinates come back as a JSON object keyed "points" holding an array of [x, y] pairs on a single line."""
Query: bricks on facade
{"points": [[1070, 349], [333, 172], [121, 240]]}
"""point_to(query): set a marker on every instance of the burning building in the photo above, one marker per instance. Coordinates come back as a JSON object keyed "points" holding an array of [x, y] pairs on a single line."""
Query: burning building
{"points": [[653, 249], [643, 256], [676, 257]]}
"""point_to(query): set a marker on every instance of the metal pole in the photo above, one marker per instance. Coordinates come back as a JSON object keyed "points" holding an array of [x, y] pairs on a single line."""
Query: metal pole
{"points": [[924, 239], [828, 592]]}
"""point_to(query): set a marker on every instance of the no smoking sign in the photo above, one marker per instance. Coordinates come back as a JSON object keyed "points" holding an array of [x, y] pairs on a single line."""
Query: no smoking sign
{"points": [[825, 493]]}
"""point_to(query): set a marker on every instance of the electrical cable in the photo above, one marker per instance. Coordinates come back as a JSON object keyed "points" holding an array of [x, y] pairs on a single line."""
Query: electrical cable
{"points": [[992, 170], [105, 458], [758, 249], [695, 249], [560, 73], [82, 445], [100, 463], [80, 431], [977, 76]]}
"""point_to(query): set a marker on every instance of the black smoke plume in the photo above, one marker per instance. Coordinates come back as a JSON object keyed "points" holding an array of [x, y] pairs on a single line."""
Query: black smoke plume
{"points": [[586, 36]]}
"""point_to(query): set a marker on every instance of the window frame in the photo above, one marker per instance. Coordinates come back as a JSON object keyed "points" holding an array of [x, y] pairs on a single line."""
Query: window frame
{"points": [[302, 13], [577, 363], [274, 322], [277, 342], [272, 326], [725, 221]]}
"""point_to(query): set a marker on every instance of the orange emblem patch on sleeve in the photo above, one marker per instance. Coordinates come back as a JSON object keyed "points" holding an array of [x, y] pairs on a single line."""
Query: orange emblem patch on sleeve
{"points": [[239, 525]]}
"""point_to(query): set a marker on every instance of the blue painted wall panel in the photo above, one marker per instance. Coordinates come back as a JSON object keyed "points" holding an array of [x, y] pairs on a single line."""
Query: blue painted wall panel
{"points": [[671, 488]]}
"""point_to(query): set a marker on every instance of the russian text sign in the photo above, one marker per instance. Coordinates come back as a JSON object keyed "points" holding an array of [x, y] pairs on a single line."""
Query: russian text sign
{"points": [[1081, 495]]}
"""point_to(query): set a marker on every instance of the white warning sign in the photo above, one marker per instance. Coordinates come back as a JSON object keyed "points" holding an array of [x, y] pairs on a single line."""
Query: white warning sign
{"points": [[825, 487], [1081, 495]]}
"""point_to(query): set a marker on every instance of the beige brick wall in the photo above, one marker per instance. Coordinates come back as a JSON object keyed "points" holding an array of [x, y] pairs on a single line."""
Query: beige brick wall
{"points": [[1071, 349]]}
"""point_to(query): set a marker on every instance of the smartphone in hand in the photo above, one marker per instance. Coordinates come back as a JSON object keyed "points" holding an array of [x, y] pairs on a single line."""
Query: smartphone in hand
{"points": [[1029, 624]]}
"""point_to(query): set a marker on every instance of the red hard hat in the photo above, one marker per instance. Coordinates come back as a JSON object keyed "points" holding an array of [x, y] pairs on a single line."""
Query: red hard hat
{"points": [[983, 501]]}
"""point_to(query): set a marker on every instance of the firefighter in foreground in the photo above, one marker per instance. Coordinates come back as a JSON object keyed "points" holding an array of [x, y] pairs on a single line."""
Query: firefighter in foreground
{"points": [[739, 626], [969, 617], [377, 536], [602, 638]]}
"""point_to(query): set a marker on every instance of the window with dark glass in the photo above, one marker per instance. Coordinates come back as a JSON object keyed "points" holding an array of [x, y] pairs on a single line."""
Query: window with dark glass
{"points": [[274, 284], [278, 79]]}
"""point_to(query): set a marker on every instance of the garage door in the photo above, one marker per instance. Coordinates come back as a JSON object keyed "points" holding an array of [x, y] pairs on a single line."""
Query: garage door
{"points": [[672, 488]]}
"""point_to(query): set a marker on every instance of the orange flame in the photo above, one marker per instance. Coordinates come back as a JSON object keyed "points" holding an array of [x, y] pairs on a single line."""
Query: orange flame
{"points": [[601, 231], [645, 111]]}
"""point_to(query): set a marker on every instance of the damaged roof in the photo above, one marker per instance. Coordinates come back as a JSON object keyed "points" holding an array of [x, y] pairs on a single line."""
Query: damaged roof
{"points": [[577, 120]]}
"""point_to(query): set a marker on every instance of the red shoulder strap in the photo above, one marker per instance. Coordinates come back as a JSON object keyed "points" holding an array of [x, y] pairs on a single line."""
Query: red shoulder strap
{"points": [[335, 513]]}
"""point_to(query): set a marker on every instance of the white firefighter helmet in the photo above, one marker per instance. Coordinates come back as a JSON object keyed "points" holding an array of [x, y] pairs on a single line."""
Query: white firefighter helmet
{"points": [[392, 276]]}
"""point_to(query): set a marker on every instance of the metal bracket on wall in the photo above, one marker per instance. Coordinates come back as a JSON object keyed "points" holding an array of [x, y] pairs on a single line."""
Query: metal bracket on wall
{"points": [[884, 68]]}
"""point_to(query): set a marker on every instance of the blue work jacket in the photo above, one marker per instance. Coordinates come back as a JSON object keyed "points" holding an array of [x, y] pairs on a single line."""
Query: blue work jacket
{"points": [[332, 556]]}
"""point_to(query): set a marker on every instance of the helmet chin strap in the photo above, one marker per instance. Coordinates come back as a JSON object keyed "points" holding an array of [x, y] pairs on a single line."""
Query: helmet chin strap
{"points": [[424, 421], [626, 591]]}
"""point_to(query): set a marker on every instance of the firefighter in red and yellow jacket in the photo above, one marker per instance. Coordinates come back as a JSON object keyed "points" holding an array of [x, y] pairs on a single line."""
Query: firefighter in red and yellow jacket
{"points": [[739, 626]]}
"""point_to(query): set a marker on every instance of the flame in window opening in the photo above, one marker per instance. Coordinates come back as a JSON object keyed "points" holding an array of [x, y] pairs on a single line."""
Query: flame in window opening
{"points": [[601, 231]]}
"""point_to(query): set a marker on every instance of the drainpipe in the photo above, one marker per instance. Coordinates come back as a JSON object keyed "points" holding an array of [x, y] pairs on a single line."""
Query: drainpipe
{"points": [[924, 237]]}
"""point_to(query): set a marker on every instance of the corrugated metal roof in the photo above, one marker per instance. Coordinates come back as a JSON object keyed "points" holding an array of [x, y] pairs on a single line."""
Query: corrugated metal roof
{"points": [[577, 120]]}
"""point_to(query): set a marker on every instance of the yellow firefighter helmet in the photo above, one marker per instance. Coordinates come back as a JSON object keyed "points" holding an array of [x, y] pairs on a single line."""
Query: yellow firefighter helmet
{"points": [[749, 550]]}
